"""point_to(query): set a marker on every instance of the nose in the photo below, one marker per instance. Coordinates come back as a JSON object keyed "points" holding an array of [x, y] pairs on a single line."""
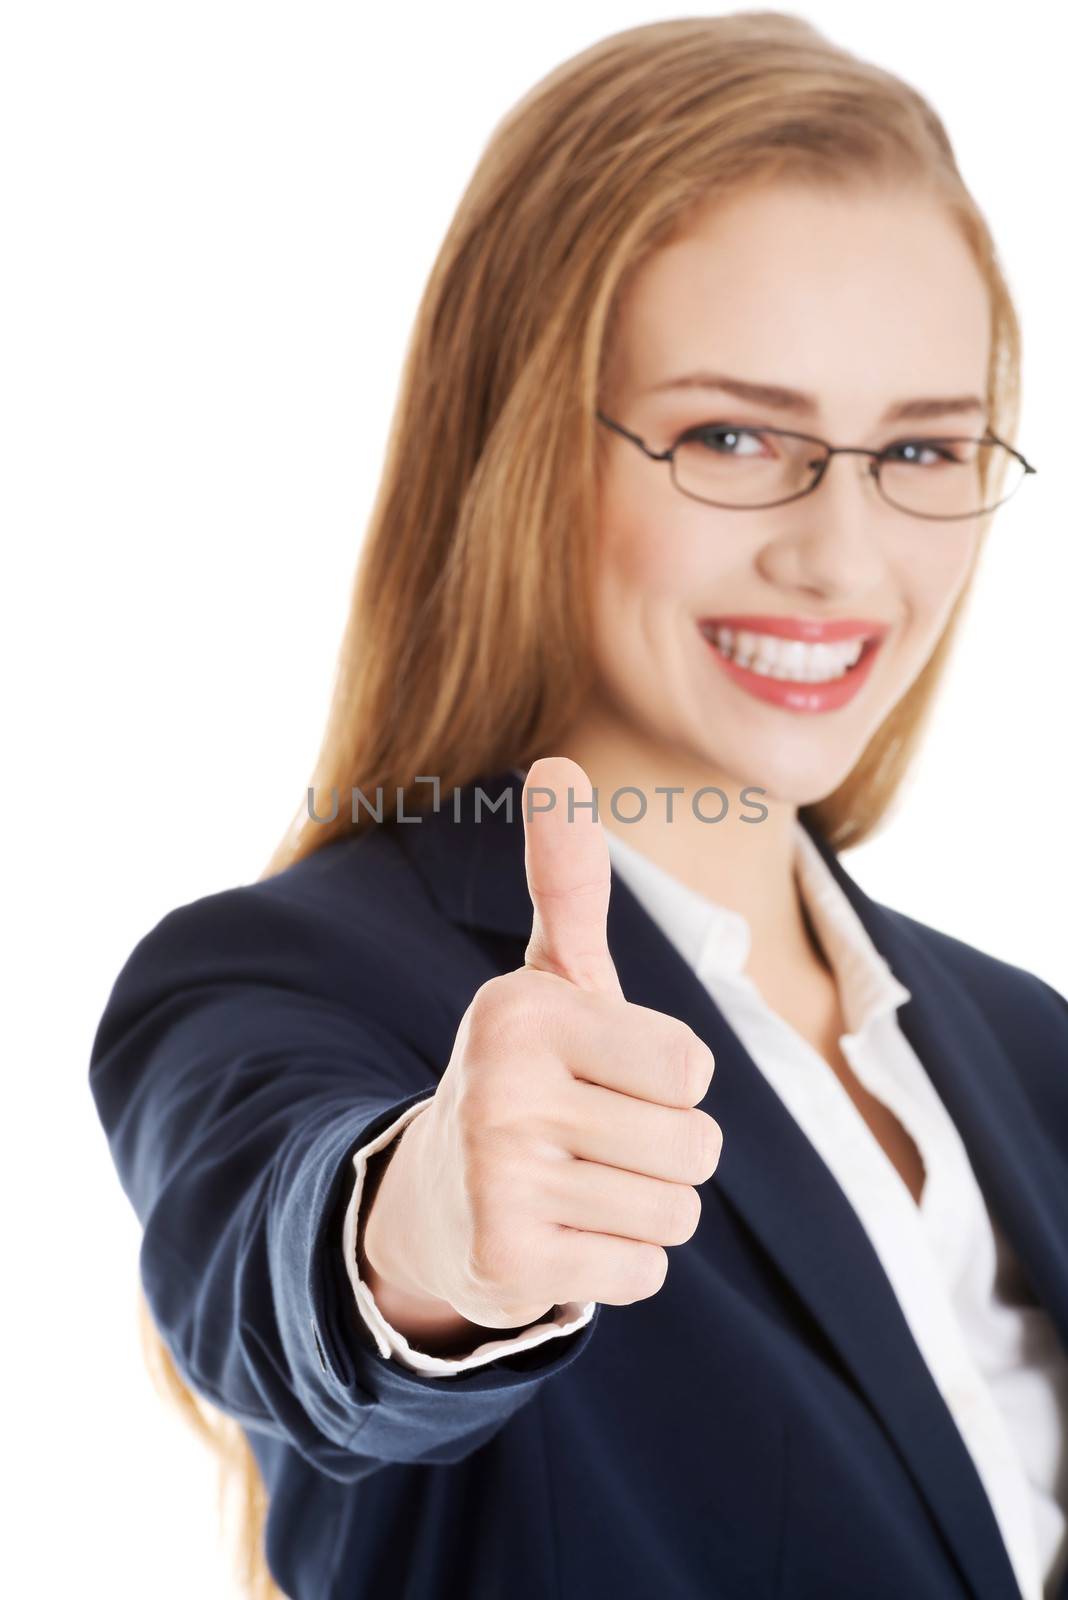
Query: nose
{"points": [[829, 543]]}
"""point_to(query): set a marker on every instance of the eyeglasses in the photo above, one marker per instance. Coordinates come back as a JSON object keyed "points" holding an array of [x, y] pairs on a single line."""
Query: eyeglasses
{"points": [[742, 468]]}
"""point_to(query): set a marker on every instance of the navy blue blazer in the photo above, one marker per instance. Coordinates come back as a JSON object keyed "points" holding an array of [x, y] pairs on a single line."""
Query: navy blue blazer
{"points": [[764, 1426]]}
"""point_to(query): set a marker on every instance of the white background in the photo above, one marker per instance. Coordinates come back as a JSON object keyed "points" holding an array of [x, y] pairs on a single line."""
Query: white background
{"points": [[218, 219]]}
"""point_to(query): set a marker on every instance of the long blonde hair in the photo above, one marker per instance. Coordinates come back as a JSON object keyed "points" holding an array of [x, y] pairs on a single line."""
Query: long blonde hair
{"points": [[465, 646]]}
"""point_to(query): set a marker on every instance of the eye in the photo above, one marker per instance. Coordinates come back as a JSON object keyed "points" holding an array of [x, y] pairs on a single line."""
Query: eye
{"points": [[723, 439], [927, 452]]}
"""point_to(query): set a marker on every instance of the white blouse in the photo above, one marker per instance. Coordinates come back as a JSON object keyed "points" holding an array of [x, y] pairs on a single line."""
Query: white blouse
{"points": [[995, 1358]]}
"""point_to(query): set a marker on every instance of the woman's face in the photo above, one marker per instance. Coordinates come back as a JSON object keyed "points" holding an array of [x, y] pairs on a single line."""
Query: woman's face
{"points": [[860, 302]]}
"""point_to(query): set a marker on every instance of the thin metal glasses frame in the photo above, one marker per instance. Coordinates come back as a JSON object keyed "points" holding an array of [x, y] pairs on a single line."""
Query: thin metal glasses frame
{"points": [[820, 467]]}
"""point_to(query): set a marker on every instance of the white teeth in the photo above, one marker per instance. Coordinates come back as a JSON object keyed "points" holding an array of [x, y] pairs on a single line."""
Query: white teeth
{"points": [[773, 657]]}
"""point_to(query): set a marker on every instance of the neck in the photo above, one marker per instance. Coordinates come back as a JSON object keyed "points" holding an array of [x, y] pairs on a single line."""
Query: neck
{"points": [[746, 865]]}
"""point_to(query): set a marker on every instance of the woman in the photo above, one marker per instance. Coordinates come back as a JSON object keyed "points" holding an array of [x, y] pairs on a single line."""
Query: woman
{"points": [[703, 1239]]}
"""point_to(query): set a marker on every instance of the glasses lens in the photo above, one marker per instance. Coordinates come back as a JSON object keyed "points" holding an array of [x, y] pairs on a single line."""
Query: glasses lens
{"points": [[743, 467], [749, 467], [950, 477]]}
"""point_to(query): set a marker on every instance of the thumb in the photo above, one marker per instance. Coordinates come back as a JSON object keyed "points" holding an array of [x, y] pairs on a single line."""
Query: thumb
{"points": [[569, 876]]}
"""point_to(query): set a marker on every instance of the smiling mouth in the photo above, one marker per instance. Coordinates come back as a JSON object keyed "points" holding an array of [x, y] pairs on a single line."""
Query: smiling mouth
{"points": [[790, 660]]}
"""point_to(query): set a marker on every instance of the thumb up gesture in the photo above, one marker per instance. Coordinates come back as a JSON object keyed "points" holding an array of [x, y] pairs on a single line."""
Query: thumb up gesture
{"points": [[562, 1149]]}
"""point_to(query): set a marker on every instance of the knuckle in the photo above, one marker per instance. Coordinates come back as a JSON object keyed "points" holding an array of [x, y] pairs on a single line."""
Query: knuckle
{"points": [[647, 1275], [495, 1017], [711, 1145], [491, 1260], [669, 1213], [684, 1213], [690, 1063], [677, 1213], [699, 1141]]}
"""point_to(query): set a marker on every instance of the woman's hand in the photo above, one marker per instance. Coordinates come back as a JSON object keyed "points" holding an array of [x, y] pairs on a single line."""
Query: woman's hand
{"points": [[562, 1147]]}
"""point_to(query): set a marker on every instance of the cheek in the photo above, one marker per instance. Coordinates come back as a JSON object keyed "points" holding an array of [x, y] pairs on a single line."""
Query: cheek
{"points": [[647, 599], [937, 572], [652, 557]]}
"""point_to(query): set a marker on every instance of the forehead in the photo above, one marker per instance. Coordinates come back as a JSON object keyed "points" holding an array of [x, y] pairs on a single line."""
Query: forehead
{"points": [[851, 294]]}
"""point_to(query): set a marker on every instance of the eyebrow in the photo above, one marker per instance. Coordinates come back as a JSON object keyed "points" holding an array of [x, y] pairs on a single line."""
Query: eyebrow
{"points": [[806, 405]]}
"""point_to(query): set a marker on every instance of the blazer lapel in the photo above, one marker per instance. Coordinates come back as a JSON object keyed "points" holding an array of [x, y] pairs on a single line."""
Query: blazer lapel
{"points": [[1017, 1167], [773, 1177]]}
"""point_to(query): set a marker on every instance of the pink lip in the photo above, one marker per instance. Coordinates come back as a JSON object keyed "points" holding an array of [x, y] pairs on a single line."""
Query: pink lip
{"points": [[786, 692], [812, 632]]}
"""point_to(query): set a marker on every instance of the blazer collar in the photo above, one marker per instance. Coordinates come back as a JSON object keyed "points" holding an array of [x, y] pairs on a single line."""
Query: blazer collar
{"points": [[770, 1173]]}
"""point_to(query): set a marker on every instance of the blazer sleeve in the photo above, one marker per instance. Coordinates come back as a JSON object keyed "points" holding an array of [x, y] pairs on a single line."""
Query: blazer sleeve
{"points": [[246, 1051]]}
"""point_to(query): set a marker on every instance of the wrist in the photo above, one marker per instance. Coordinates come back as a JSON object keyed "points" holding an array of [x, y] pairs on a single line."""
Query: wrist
{"points": [[391, 1224]]}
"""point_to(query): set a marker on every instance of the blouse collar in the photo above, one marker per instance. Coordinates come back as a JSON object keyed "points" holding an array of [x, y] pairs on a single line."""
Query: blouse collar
{"points": [[716, 941]]}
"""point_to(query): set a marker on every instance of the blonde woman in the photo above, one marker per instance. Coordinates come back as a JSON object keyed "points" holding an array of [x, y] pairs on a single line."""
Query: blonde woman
{"points": [[541, 1201]]}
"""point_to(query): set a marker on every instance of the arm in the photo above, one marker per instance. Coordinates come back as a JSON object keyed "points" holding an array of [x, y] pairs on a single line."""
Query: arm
{"points": [[246, 1052]]}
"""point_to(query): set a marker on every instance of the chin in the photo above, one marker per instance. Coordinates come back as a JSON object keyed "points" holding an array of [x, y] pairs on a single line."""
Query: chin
{"points": [[799, 794], [790, 775]]}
